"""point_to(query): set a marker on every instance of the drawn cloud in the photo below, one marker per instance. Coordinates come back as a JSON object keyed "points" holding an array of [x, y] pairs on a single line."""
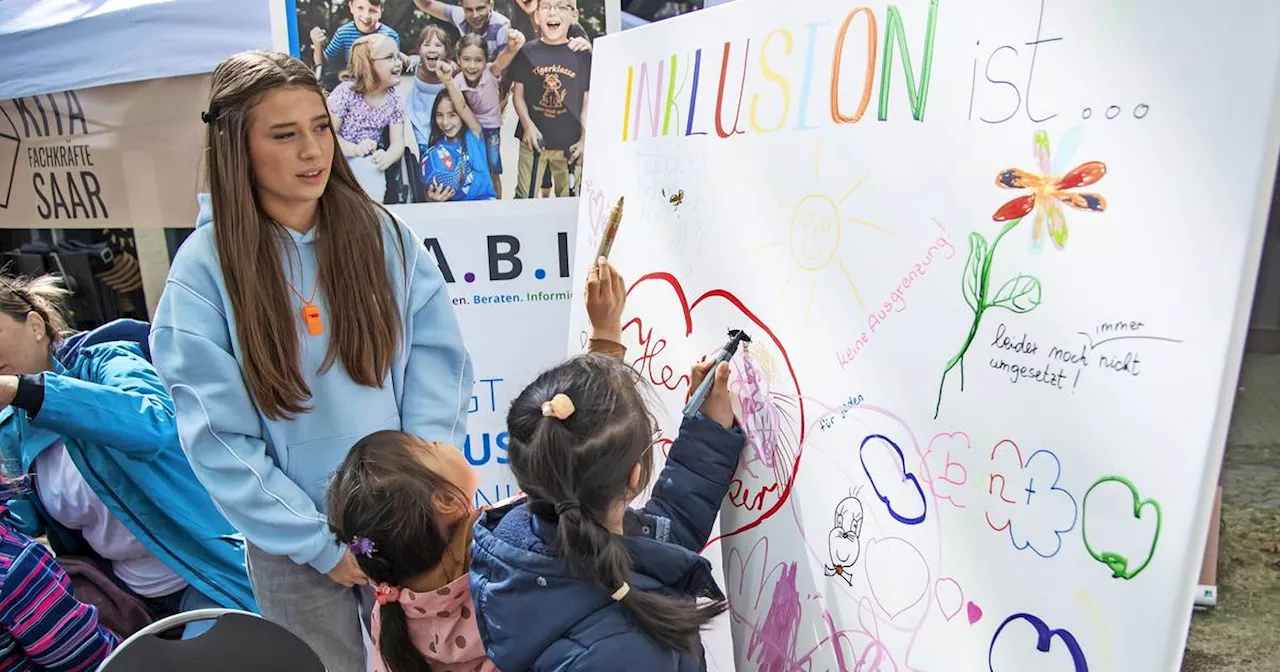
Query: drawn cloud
{"points": [[1024, 498], [948, 463], [899, 489]]}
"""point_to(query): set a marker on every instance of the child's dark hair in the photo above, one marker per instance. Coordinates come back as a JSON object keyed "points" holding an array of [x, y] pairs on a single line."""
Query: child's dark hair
{"points": [[474, 40], [437, 133], [385, 494], [581, 466]]}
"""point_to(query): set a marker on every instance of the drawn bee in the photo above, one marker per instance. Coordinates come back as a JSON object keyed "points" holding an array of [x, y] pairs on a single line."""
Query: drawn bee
{"points": [[675, 199]]}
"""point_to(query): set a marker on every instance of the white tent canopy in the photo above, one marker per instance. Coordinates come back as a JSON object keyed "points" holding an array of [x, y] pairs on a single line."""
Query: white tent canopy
{"points": [[47, 46]]}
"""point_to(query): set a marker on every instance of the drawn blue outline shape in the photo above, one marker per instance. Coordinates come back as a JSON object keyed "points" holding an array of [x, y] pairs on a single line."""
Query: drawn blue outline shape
{"points": [[1075, 515], [906, 476], [1043, 641]]}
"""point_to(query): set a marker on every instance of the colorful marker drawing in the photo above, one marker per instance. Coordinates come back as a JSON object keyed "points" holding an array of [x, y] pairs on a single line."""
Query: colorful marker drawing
{"points": [[1044, 641], [1117, 562], [776, 428], [897, 487], [843, 541], [817, 232], [1021, 294], [1029, 504]]}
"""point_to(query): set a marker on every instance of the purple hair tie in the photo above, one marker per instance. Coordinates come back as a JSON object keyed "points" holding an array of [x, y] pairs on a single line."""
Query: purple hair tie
{"points": [[362, 546]]}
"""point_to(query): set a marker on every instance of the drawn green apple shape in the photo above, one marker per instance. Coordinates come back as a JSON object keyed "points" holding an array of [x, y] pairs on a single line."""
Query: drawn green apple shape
{"points": [[1118, 563]]}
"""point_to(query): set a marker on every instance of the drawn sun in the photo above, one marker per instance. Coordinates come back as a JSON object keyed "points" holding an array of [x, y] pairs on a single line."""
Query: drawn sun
{"points": [[815, 234]]}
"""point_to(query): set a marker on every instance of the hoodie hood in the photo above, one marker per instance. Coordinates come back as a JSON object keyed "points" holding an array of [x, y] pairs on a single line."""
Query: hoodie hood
{"points": [[205, 216], [527, 600]]}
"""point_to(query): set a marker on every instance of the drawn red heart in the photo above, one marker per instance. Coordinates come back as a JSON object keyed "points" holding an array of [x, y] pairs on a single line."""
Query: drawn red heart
{"points": [[748, 504]]}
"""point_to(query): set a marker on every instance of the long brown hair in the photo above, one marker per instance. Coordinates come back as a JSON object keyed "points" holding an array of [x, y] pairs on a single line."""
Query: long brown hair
{"points": [[364, 319]]}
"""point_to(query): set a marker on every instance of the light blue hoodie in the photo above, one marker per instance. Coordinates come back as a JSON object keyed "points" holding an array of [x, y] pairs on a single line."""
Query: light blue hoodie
{"points": [[269, 476]]}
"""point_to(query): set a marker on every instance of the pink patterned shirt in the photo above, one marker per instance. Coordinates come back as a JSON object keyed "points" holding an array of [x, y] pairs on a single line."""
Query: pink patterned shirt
{"points": [[442, 624]]}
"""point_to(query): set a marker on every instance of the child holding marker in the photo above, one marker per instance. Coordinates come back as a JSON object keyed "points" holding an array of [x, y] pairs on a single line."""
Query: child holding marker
{"points": [[611, 586]]}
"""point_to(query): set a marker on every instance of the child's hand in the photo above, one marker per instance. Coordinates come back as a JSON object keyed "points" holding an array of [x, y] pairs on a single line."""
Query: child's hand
{"points": [[532, 139], [444, 70], [515, 40], [575, 151], [381, 159], [579, 44], [348, 572], [438, 193], [717, 406], [606, 298], [318, 35], [366, 147]]}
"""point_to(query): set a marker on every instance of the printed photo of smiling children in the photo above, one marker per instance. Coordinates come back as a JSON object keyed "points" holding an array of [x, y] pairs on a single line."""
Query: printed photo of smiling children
{"points": [[465, 100]]}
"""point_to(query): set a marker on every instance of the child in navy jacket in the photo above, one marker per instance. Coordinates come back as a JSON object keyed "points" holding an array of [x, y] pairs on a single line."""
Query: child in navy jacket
{"points": [[571, 578]]}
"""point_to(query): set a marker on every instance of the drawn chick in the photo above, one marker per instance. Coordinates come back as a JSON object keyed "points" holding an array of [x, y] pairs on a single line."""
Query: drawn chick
{"points": [[843, 544]]}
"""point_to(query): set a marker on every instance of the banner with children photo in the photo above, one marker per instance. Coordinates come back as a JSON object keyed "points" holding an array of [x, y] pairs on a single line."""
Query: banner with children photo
{"points": [[467, 100]]}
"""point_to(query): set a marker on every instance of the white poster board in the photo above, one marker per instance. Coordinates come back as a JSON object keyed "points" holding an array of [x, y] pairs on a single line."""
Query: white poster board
{"points": [[506, 264], [976, 442]]}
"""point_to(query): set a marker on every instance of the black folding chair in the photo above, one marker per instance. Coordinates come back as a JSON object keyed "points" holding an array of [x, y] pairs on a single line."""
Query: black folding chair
{"points": [[238, 641]]}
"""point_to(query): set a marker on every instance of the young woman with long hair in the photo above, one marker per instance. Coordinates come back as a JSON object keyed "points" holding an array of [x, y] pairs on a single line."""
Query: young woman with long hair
{"points": [[299, 317]]}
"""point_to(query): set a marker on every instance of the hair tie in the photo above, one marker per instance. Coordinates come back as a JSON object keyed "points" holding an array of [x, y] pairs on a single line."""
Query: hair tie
{"points": [[385, 593], [560, 407], [567, 506], [362, 546], [207, 117], [621, 592]]}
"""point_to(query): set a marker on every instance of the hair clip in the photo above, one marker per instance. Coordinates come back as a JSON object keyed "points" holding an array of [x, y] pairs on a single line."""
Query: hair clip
{"points": [[207, 117], [362, 546], [560, 407], [385, 593], [621, 592]]}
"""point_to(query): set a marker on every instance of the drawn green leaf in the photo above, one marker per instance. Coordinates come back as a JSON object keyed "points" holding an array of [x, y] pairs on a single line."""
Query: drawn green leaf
{"points": [[971, 284], [1020, 295]]}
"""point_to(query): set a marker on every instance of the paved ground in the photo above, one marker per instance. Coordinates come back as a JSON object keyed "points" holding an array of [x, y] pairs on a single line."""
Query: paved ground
{"points": [[1243, 633]]}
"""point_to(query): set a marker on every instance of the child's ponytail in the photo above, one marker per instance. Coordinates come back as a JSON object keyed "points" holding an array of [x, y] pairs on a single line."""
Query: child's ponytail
{"points": [[577, 434], [394, 643]]}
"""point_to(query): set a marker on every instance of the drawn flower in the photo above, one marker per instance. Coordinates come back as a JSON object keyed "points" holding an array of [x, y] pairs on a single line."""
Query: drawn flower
{"points": [[1049, 193]]}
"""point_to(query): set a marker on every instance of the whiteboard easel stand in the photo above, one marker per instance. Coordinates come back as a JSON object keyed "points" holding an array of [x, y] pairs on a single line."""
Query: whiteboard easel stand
{"points": [[1207, 589]]}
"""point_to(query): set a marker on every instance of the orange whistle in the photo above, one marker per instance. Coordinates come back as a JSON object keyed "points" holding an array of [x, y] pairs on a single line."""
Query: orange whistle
{"points": [[311, 315]]}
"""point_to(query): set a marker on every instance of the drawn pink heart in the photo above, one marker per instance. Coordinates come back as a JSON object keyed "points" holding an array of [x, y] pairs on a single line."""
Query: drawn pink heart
{"points": [[656, 346], [596, 210], [950, 597], [975, 613]]}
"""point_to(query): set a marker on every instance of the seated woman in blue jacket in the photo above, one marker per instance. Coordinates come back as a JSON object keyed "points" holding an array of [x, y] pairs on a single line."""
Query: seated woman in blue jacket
{"points": [[571, 578], [95, 427]]}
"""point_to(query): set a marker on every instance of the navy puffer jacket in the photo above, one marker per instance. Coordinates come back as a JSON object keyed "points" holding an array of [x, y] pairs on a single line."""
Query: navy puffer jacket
{"points": [[534, 615]]}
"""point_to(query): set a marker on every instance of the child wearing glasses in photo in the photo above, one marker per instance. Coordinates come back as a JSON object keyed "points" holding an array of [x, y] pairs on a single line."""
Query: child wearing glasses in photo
{"points": [[365, 103], [551, 94]]}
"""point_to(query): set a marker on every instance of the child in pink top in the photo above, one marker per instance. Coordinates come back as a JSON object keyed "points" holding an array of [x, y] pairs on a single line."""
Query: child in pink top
{"points": [[404, 507], [478, 80]]}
